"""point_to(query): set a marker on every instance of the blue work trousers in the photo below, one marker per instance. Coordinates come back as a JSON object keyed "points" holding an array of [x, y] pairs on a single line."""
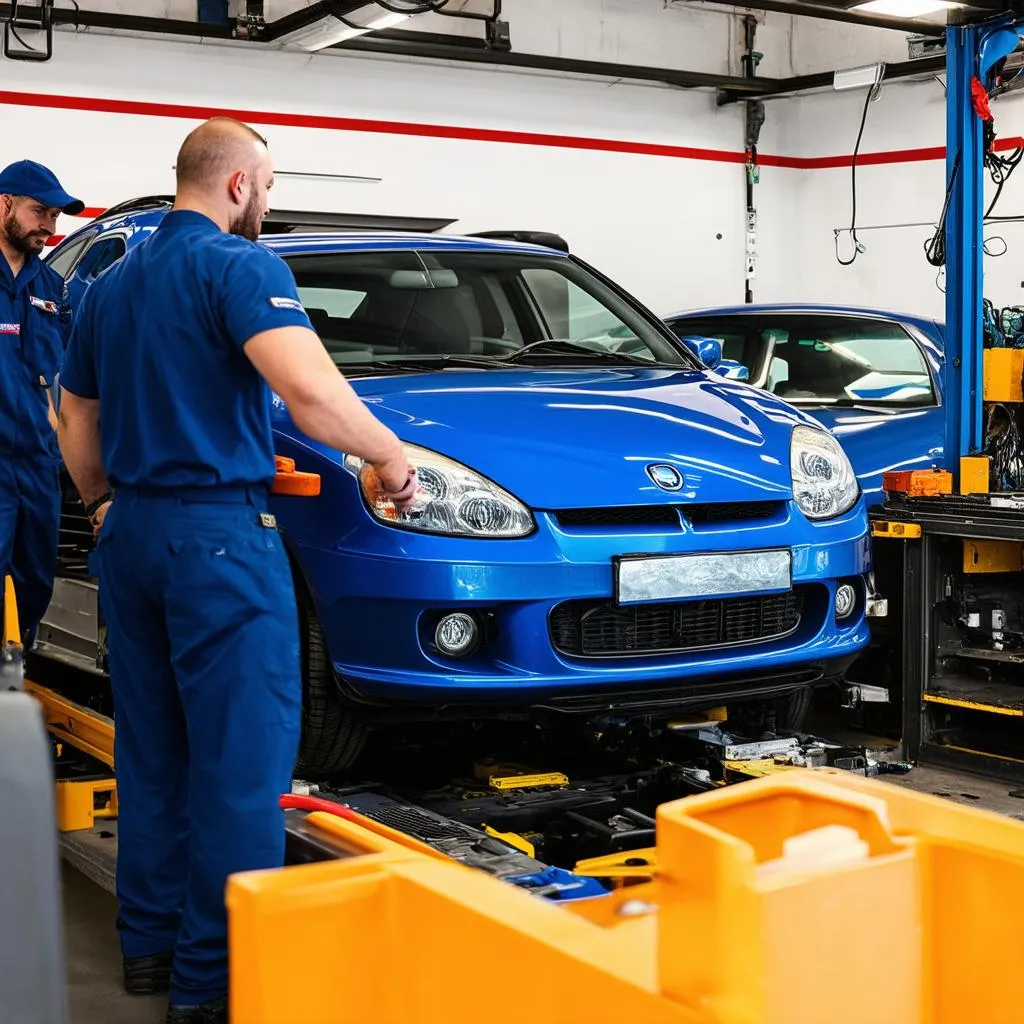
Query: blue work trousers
{"points": [[204, 665], [29, 525]]}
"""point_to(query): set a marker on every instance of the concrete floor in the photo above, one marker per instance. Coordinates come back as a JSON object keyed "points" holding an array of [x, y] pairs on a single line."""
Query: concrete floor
{"points": [[94, 959]]}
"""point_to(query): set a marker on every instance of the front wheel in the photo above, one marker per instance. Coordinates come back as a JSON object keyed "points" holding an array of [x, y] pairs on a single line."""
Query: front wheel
{"points": [[791, 710], [333, 736]]}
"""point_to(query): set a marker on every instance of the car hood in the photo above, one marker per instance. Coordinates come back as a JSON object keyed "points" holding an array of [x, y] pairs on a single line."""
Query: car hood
{"points": [[583, 438]]}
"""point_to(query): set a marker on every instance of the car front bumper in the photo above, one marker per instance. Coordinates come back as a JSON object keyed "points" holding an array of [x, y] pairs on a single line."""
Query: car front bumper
{"points": [[380, 593]]}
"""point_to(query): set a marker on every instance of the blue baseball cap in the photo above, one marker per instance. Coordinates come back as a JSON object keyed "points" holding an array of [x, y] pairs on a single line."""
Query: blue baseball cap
{"points": [[27, 178]]}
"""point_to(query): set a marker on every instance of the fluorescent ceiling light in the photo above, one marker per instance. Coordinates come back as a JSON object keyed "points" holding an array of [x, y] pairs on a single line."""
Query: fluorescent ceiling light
{"points": [[329, 30], [858, 78], [905, 8]]}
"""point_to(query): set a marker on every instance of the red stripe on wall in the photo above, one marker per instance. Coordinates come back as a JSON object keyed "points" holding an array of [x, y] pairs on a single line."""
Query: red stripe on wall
{"points": [[439, 131], [358, 124]]}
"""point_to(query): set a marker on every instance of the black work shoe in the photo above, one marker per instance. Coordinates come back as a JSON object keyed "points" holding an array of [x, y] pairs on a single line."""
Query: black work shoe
{"points": [[148, 975], [215, 1012]]}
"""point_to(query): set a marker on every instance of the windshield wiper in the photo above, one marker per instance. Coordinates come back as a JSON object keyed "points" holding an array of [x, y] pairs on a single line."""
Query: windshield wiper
{"points": [[560, 346], [415, 363], [850, 403]]}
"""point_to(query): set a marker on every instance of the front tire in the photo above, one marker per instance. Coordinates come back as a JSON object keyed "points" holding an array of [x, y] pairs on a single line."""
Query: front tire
{"points": [[333, 736]]}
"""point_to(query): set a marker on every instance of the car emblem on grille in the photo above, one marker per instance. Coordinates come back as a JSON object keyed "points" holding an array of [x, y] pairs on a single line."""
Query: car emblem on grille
{"points": [[668, 478]]}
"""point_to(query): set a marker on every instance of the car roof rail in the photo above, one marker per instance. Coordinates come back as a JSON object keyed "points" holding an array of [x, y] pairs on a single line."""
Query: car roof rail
{"points": [[138, 204], [548, 239], [281, 222]]}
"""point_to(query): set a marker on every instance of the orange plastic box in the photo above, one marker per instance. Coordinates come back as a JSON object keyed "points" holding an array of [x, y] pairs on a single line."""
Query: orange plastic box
{"points": [[804, 896], [918, 482]]}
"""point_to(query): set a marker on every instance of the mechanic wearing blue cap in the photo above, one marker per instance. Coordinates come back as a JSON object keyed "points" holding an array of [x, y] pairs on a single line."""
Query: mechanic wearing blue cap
{"points": [[34, 322], [164, 399]]}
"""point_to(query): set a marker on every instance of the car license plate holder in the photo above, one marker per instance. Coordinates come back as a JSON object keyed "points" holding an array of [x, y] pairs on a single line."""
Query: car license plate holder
{"points": [[658, 579]]}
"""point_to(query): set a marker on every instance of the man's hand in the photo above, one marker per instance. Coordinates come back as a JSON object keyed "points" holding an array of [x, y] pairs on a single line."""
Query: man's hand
{"points": [[398, 480], [97, 518]]}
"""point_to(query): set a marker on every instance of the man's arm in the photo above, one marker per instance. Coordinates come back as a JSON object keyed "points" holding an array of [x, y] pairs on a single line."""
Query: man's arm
{"points": [[296, 365], [78, 434]]}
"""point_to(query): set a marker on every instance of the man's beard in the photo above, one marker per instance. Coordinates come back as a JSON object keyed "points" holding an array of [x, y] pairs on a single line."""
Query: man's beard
{"points": [[28, 243], [250, 220]]}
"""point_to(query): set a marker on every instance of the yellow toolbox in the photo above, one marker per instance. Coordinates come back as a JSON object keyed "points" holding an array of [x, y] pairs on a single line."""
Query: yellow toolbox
{"points": [[804, 896], [1002, 374]]}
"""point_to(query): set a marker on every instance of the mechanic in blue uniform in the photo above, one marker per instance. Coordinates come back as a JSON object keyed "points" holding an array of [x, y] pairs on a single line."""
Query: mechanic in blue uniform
{"points": [[165, 407], [34, 323]]}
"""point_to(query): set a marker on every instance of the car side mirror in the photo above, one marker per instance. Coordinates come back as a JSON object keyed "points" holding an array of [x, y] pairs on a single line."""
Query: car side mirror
{"points": [[732, 370], [707, 350]]}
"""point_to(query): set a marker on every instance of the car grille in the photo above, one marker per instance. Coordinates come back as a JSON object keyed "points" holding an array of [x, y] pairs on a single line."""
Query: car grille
{"points": [[635, 515], [668, 515], [595, 629], [732, 511]]}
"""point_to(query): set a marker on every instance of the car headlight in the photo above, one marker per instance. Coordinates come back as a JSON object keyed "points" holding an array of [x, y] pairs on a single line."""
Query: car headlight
{"points": [[824, 483], [452, 500]]}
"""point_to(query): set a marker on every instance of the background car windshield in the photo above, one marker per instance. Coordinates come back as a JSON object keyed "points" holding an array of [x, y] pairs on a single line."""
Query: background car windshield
{"points": [[394, 306], [824, 359]]}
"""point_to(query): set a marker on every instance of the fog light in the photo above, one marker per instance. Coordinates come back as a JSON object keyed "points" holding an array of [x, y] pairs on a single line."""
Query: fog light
{"points": [[457, 635], [846, 598]]}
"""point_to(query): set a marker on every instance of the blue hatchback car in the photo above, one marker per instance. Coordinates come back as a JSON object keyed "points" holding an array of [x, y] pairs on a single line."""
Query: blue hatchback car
{"points": [[605, 525], [873, 378]]}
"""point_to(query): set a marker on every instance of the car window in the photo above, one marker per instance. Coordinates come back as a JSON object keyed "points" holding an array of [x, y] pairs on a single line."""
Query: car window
{"points": [[335, 302], [104, 253], [381, 306], [822, 358], [61, 260], [568, 311]]}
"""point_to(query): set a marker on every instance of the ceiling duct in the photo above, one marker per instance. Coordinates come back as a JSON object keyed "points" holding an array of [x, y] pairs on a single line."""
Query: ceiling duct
{"points": [[330, 22]]}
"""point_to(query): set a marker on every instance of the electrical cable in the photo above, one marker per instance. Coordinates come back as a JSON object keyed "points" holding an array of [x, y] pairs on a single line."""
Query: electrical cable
{"points": [[411, 6], [935, 247], [1004, 448], [994, 238], [857, 247], [1000, 168]]}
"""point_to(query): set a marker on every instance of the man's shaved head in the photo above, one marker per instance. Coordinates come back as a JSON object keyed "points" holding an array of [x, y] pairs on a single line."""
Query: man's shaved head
{"points": [[216, 149], [224, 168]]}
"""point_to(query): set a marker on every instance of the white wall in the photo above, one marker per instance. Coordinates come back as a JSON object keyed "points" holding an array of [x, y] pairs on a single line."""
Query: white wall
{"points": [[666, 223], [908, 188], [651, 221]]}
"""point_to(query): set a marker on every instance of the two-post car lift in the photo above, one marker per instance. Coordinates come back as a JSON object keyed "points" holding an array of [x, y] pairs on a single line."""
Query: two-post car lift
{"points": [[963, 538]]}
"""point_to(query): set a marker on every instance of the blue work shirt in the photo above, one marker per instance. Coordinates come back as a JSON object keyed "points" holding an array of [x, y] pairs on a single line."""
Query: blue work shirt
{"points": [[34, 324], [159, 338]]}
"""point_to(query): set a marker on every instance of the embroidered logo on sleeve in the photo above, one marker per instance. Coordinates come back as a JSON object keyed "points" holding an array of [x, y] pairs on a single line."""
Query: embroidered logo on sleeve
{"points": [[10, 328], [46, 305], [282, 302]]}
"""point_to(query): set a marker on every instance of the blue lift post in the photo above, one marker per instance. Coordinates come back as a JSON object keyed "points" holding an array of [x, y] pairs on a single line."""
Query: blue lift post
{"points": [[971, 52]]}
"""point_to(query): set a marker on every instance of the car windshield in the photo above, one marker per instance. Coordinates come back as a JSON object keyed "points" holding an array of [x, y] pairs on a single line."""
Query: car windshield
{"points": [[471, 308], [821, 359]]}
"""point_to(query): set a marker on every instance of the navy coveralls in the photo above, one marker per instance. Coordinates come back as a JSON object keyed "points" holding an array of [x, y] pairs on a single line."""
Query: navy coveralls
{"points": [[194, 582], [34, 321]]}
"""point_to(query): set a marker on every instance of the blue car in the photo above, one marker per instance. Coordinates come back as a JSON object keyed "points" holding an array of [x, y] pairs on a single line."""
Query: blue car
{"points": [[605, 525], [874, 379]]}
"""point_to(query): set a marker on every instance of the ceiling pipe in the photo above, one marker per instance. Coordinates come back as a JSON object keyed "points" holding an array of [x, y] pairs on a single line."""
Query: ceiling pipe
{"points": [[131, 23], [411, 44], [824, 13], [416, 44]]}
